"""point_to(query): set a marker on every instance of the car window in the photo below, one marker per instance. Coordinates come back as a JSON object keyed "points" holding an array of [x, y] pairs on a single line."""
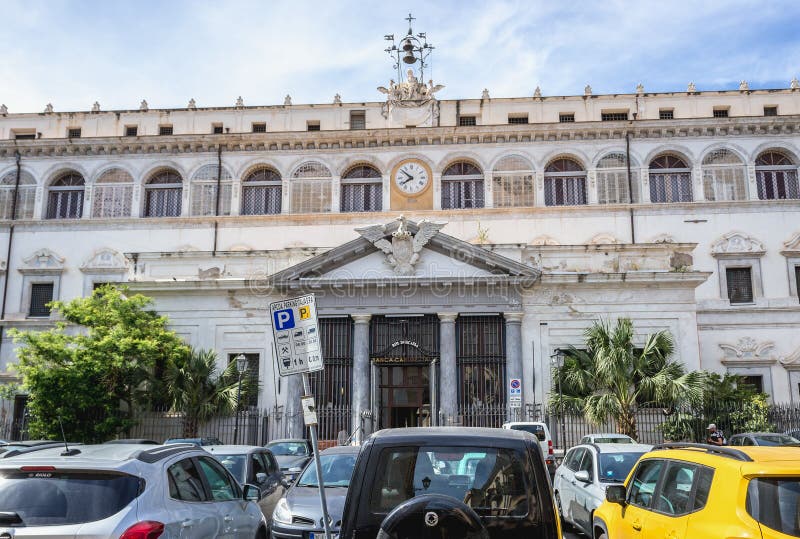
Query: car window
{"points": [[536, 430], [257, 466], [775, 503], [222, 488], [644, 482], [297, 449], [775, 439], [236, 464], [585, 440], [494, 487], [587, 463], [704, 478], [615, 467], [185, 483], [574, 459], [336, 471], [272, 465], [676, 489]]}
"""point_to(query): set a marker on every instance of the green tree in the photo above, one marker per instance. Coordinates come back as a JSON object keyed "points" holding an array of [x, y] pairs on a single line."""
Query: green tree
{"points": [[612, 377], [95, 366], [193, 387]]}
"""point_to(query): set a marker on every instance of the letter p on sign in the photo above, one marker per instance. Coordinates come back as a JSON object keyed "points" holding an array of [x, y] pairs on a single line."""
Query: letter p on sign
{"points": [[284, 319], [305, 312]]}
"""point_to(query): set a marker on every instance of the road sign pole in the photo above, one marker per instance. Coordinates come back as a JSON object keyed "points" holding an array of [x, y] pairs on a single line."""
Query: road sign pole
{"points": [[315, 444]]}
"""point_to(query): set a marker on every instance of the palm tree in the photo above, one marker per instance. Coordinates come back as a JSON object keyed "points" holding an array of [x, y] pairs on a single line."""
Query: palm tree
{"points": [[613, 378], [193, 387]]}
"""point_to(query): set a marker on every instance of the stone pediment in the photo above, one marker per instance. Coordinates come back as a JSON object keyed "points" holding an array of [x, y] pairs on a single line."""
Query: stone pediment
{"points": [[42, 262], [791, 247], [735, 244], [105, 261], [748, 352], [403, 252]]}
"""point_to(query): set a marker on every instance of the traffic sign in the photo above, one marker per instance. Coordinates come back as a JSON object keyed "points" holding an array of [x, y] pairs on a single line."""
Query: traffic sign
{"points": [[296, 334], [515, 393]]}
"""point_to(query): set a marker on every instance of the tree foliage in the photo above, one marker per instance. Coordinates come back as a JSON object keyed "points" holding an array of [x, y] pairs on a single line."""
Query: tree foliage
{"points": [[95, 366]]}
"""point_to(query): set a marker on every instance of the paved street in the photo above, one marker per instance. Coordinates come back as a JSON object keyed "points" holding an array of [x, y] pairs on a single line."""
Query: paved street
{"points": [[573, 535]]}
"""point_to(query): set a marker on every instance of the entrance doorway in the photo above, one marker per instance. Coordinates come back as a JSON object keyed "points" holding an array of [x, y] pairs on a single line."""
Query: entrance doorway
{"points": [[405, 396]]}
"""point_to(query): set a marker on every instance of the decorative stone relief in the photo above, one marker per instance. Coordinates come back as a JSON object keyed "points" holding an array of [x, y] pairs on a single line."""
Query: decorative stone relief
{"points": [[791, 361], [748, 350], [604, 239], [737, 243], [537, 93], [105, 261], [402, 253], [210, 272], [791, 247], [663, 238], [544, 240], [485, 94], [42, 261], [3, 266], [411, 102], [337, 99]]}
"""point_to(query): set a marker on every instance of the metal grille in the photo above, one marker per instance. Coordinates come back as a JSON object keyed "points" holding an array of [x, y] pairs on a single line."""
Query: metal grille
{"points": [[612, 180], [164, 129], [261, 192], [204, 191], [512, 182], [777, 184], [358, 119], [74, 132], [112, 194], [565, 191], [670, 180], [41, 295], [253, 362], [666, 114], [259, 128], [359, 197], [770, 111], [65, 199], [613, 116], [163, 195], [131, 130], [460, 194], [311, 189], [724, 176], [566, 118], [386, 331], [332, 386], [518, 119], [466, 121], [720, 113], [480, 355], [26, 195], [740, 285]]}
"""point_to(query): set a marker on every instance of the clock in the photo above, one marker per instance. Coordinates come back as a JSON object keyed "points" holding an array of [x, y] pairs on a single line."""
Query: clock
{"points": [[411, 177]]}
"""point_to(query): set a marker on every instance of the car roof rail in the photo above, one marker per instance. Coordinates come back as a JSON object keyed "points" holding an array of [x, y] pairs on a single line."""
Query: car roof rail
{"points": [[161, 452], [708, 448]]}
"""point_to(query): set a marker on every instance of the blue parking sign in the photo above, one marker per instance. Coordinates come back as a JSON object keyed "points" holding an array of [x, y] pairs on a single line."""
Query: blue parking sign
{"points": [[284, 319]]}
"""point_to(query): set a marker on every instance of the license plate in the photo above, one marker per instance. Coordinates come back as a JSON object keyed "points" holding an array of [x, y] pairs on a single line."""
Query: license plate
{"points": [[321, 535]]}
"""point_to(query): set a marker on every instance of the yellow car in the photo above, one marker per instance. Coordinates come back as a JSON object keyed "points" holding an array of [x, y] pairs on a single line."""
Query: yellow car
{"points": [[699, 491]]}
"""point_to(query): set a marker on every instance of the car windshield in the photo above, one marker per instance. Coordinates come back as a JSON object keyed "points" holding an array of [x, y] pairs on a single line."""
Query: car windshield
{"points": [[298, 449], [775, 439], [615, 467], [612, 440], [488, 479], [775, 503], [336, 471], [236, 464], [54, 498], [536, 430]]}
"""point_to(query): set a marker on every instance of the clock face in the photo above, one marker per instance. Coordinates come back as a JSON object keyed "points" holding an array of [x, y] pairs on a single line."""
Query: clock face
{"points": [[411, 177]]}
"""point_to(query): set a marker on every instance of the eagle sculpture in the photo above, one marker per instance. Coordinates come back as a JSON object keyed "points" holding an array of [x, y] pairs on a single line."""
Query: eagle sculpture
{"points": [[402, 253]]}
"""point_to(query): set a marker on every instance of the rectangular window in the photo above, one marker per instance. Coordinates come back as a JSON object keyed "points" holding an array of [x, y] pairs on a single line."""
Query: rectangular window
{"points": [[358, 119], [459, 194], [773, 502], [756, 382], [74, 132], [721, 113], [567, 191], [131, 130], [566, 118], [24, 136], [770, 111], [797, 279], [260, 127], [358, 197], [613, 116], [466, 121], [518, 119], [41, 295], [164, 129], [216, 129], [313, 125], [740, 285], [671, 187], [666, 114], [480, 357]]}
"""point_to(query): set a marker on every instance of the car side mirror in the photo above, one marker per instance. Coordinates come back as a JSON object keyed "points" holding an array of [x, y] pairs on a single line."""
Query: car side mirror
{"points": [[261, 478], [251, 493], [583, 476], [616, 494]]}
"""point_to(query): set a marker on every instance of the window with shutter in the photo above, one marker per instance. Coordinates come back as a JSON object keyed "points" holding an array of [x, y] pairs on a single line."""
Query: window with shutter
{"points": [[25, 195], [740, 285], [261, 192], [112, 194], [462, 186], [41, 295]]}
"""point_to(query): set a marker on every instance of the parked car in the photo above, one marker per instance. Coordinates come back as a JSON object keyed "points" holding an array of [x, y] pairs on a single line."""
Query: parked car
{"points": [[607, 438], [201, 441], [14, 449], [687, 491], [128, 492], [299, 513], [580, 482], [794, 433], [292, 455], [255, 465], [145, 441], [763, 438], [403, 485], [542, 433]]}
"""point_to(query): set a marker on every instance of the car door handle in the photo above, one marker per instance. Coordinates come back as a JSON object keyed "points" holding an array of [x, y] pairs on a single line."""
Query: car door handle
{"points": [[227, 518], [636, 525], [187, 523]]}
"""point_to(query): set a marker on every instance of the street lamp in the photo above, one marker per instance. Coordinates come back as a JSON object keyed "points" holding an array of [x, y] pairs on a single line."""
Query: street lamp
{"points": [[557, 361], [241, 367]]}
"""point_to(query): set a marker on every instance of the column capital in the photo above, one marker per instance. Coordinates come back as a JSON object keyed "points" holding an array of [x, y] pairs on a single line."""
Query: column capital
{"points": [[361, 318], [447, 317], [513, 318]]}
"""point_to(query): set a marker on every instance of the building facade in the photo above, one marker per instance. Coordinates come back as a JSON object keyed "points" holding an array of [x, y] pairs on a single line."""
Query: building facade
{"points": [[453, 245]]}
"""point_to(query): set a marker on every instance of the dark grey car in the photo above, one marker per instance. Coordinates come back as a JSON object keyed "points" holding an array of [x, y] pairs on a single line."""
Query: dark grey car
{"points": [[299, 515], [292, 455]]}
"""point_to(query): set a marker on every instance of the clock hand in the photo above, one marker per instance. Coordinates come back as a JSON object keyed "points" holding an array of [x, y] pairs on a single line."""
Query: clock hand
{"points": [[408, 180], [407, 174]]}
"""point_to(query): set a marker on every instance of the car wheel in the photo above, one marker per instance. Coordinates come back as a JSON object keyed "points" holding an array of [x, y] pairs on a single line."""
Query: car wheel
{"points": [[602, 536], [564, 524], [432, 516]]}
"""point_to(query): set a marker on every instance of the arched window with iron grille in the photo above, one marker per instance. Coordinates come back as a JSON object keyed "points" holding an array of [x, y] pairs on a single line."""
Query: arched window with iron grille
{"points": [[26, 194], [724, 176], [112, 194], [163, 194], [362, 189], [310, 188], [261, 192], [564, 183], [65, 197], [612, 180], [513, 185], [204, 191], [776, 176], [462, 186], [670, 179]]}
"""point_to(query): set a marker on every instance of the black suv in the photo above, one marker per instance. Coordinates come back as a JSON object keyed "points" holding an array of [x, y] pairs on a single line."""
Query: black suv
{"points": [[450, 482]]}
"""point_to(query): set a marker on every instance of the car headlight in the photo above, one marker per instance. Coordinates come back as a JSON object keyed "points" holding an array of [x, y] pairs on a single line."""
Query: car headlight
{"points": [[282, 512]]}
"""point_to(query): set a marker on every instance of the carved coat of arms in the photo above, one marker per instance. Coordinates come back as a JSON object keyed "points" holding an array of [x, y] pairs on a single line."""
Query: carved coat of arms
{"points": [[403, 252]]}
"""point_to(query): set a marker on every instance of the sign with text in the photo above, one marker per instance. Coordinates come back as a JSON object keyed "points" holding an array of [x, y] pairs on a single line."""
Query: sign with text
{"points": [[515, 393], [296, 334], [309, 410]]}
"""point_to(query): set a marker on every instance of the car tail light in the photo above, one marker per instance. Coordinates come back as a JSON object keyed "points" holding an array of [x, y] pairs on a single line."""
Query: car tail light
{"points": [[149, 529], [38, 469], [549, 447]]}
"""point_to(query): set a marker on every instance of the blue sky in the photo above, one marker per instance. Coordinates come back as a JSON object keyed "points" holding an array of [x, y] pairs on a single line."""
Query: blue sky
{"points": [[72, 53]]}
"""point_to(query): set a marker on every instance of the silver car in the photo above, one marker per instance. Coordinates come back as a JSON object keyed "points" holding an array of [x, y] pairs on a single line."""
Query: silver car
{"points": [[580, 482], [125, 491]]}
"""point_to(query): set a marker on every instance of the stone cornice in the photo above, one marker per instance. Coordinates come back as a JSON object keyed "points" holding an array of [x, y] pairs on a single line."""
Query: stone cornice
{"points": [[347, 140], [631, 278]]}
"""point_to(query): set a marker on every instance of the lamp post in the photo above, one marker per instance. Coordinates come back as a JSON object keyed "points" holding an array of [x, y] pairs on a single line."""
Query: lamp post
{"points": [[557, 360], [241, 367]]}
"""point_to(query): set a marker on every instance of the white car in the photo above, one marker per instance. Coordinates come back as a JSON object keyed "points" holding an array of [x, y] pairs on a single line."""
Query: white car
{"points": [[125, 491], [580, 482], [542, 433], [607, 438]]}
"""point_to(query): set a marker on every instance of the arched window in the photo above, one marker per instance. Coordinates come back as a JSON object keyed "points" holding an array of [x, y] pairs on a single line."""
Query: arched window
{"points": [[612, 180], [776, 176], [724, 176], [112, 194], [512, 182], [204, 191], [362, 189], [310, 188], [162, 194], [26, 193], [65, 197], [462, 186], [564, 183], [261, 192], [670, 180]]}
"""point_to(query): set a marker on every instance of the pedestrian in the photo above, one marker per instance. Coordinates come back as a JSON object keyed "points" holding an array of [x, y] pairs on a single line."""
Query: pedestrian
{"points": [[714, 436]]}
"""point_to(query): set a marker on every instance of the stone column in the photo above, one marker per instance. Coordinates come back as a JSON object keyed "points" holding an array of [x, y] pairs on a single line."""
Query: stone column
{"points": [[361, 378], [448, 370], [513, 354]]}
